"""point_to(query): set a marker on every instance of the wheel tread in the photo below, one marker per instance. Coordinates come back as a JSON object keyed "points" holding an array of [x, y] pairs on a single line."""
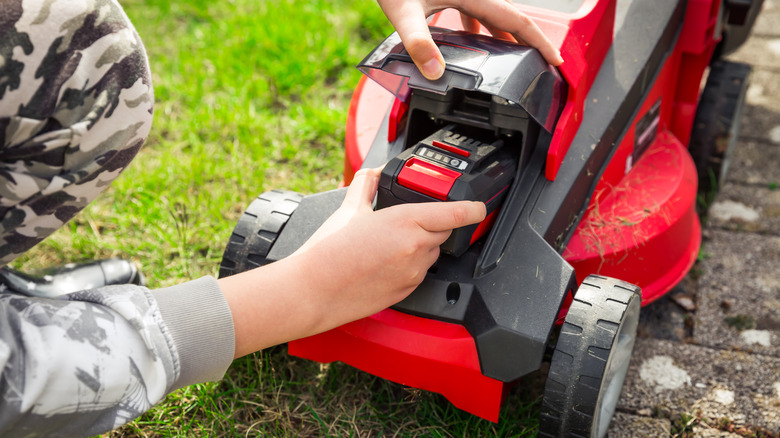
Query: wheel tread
{"points": [[579, 360], [257, 230]]}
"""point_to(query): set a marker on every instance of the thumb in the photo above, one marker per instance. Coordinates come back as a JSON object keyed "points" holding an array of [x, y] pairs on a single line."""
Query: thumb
{"points": [[408, 18], [362, 190], [425, 54]]}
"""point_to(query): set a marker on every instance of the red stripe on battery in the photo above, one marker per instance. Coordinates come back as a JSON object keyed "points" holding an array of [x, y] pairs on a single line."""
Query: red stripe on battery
{"points": [[484, 226], [494, 196], [451, 148]]}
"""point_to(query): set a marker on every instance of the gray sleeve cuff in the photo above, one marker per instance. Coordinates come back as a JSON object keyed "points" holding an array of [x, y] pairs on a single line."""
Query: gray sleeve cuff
{"points": [[201, 325]]}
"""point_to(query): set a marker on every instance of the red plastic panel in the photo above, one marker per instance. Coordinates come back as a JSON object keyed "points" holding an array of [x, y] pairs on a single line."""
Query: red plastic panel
{"points": [[697, 44], [645, 230], [423, 353], [396, 120]]}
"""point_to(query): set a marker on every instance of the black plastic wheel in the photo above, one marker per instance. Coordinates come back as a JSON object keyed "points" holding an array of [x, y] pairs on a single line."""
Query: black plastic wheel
{"points": [[257, 230], [591, 359], [716, 125]]}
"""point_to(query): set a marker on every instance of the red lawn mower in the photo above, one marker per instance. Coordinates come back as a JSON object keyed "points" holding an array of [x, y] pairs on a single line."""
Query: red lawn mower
{"points": [[590, 174]]}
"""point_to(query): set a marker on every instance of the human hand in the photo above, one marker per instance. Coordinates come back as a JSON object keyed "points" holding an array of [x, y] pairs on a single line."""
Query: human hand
{"points": [[386, 251], [500, 17], [359, 262]]}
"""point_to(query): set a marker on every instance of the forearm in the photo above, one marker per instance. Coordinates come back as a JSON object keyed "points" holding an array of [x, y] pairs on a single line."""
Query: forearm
{"points": [[335, 281], [275, 304]]}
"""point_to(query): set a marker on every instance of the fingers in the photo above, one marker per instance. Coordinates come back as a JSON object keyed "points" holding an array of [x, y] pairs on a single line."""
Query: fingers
{"points": [[472, 25], [500, 17], [409, 20], [445, 216], [363, 189], [499, 33], [499, 14]]}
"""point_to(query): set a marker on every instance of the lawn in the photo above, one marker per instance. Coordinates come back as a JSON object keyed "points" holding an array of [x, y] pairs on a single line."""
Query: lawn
{"points": [[251, 95]]}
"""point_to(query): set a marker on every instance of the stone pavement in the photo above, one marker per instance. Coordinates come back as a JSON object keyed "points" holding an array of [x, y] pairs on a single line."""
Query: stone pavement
{"points": [[713, 370]]}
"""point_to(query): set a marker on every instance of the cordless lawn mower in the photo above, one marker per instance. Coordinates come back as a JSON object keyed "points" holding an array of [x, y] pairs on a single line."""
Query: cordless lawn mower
{"points": [[590, 174]]}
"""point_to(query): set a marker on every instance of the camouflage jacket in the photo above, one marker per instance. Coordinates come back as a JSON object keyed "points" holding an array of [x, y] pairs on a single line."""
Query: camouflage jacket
{"points": [[90, 361]]}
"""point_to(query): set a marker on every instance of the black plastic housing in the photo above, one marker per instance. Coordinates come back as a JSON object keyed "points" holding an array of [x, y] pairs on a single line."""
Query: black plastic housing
{"points": [[513, 72]]}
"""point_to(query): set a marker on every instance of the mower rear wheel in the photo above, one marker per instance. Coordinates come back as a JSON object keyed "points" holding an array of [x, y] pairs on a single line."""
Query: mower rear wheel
{"points": [[716, 126], [257, 230], [591, 359]]}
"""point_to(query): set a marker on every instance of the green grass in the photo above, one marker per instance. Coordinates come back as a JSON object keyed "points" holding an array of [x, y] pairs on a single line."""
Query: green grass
{"points": [[251, 95]]}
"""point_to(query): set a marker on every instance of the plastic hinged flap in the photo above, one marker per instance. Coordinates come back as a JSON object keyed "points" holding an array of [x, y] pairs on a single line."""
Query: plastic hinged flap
{"points": [[517, 73]]}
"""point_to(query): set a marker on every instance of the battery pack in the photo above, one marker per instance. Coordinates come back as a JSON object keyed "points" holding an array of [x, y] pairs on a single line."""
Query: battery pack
{"points": [[454, 163]]}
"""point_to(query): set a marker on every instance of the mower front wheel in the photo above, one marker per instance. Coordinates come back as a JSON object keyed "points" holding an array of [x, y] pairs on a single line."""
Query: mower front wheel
{"points": [[591, 359], [257, 230]]}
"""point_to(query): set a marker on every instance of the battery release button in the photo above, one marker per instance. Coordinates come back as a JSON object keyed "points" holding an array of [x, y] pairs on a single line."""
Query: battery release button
{"points": [[427, 178]]}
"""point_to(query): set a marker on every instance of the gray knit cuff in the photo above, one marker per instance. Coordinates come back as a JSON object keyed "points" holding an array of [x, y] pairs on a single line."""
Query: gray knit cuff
{"points": [[201, 325]]}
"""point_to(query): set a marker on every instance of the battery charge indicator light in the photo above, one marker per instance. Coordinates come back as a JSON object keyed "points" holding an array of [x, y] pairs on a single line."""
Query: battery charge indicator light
{"points": [[441, 158]]}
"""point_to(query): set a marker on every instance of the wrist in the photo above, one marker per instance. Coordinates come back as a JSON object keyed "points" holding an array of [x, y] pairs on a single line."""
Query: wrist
{"points": [[271, 305]]}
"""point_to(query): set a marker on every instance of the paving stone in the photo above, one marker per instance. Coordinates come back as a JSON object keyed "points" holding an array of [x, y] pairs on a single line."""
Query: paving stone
{"points": [[665, 318], [738, 297], [755, 163], [633, 426], [768, 21], [760, 50], [761, 114], [668, 379], [746, 208], [708, 432]]}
